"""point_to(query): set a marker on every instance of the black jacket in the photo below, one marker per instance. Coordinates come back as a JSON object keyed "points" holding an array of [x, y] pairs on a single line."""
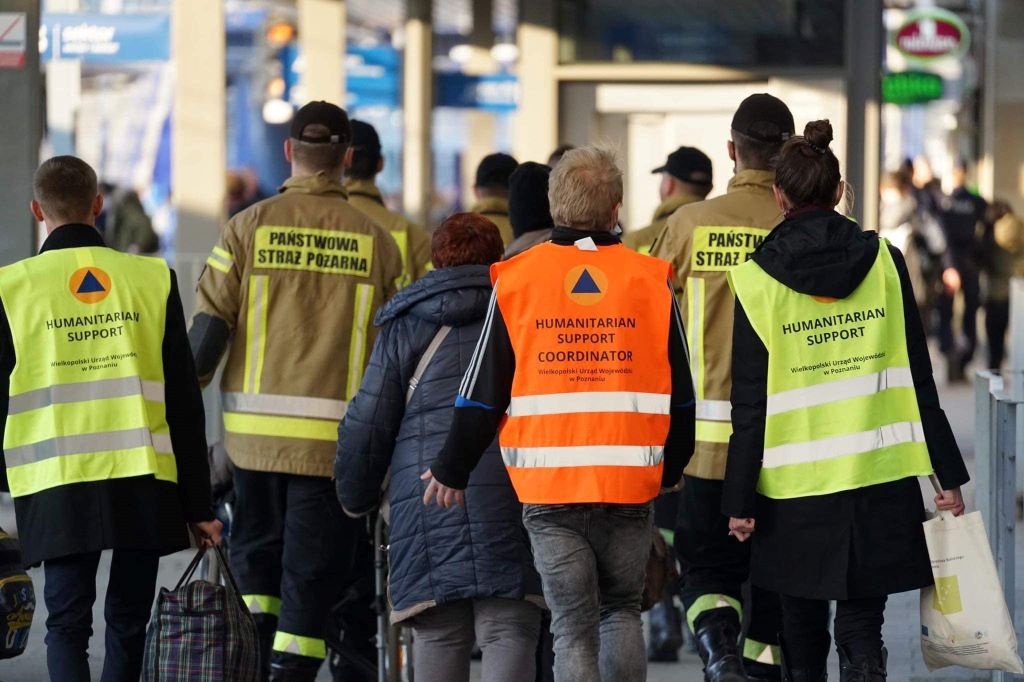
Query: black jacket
{"points": [[139, 512], [478, 415], [857, 543], [437, 555]]}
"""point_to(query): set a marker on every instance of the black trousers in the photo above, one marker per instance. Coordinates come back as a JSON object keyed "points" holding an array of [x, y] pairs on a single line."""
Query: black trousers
{"points": [[715, 567], [858, 629], [70, 592], [997, 319], [291, 550], [971, 290]]}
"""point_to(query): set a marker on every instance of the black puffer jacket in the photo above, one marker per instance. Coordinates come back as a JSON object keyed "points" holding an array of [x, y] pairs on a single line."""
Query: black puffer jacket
{"points": [[858, 543], [436, 555]]}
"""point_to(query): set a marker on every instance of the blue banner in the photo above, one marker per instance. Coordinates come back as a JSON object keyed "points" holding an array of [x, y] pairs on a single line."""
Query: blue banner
{"points": [[498, 92], [106, 38], [372, 76]]}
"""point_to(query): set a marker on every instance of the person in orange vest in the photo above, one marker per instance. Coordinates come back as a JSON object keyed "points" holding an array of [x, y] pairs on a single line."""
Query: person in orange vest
{"points": [[582, 363]]}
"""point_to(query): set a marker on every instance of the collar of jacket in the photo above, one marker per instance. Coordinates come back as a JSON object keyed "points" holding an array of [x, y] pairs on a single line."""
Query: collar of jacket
{"points": [[364, 188], [498, 205], [321, 183], [72, 236], [567, 236], [752, 179], [673, 203]]}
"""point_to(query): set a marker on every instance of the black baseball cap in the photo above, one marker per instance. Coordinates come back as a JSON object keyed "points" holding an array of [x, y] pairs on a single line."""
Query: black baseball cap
{"points": [[765, 118], [688, 164], [495, 170], [331, 116], [365, 138]]}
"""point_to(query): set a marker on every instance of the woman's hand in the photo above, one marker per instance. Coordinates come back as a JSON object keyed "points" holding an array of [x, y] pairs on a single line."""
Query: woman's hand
{"points": [[741, 528], [446, 497], [951, 501]]}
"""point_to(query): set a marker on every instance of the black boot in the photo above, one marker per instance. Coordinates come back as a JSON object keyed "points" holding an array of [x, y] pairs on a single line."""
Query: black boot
{"points": [[718, 634], [761, 672], [862, 667], [266, 627], [790, 674], [666, 632], [292, 675]]}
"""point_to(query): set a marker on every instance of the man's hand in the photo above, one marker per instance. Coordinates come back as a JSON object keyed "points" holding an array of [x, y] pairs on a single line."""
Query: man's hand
{"points": [[446, 497], [207, 533], [951, 280], [741, 528], [951, 501]]}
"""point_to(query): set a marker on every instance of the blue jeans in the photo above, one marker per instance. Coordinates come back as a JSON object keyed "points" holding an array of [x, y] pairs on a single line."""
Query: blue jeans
{"points": [[592, 560], [70, 592]]}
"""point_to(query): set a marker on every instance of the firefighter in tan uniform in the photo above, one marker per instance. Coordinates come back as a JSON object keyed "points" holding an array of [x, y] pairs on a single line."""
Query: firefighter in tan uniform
{"points": [[704, 241], [491, 191], [367, 162], [290, 292], [685, 179]]}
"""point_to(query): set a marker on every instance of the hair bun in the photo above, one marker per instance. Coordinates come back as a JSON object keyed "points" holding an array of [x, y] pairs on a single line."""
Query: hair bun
{"points": [[819, 134]]}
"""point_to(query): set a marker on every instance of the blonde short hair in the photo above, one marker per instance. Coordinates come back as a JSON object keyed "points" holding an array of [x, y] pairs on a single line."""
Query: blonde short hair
{"points": [[584, 189]]}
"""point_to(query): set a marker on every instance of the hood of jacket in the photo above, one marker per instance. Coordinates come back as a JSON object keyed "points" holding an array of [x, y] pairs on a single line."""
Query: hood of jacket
{"points": [[454, 296], [818, 253]]}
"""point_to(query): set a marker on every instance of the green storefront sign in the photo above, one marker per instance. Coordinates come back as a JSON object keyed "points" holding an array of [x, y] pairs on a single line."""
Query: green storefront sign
{"points": [[911, 87]]}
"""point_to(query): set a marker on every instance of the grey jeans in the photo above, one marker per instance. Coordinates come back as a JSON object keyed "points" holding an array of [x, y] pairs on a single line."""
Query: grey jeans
{"points": [[507, 631], [592, 560]]}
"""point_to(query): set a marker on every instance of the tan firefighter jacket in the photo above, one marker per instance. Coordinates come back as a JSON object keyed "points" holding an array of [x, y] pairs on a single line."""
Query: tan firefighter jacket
{"points": [[298, 279], [643, 239], [412, 240], [703, 241], [495, 209]]}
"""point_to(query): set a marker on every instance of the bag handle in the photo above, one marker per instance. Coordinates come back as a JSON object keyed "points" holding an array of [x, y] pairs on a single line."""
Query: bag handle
{"points": [[225, 569], [190, 571], [425, 359]]}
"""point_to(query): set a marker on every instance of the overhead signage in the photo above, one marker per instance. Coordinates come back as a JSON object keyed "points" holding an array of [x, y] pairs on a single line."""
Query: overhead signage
{"points": [[911, 87], [930, 34], [106, 38], [372, 76], [12, 39], [498, 92]]}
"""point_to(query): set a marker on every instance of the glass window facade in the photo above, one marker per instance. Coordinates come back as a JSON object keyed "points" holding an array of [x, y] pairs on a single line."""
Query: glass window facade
{"points": [[740, 33]]}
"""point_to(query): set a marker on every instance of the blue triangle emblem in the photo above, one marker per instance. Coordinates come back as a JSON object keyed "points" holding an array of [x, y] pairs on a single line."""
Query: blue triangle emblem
{"points": [[90, 285], [586, 285]]}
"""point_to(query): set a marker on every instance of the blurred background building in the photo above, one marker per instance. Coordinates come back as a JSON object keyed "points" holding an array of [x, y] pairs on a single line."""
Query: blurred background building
{"points": [[187, 102]]}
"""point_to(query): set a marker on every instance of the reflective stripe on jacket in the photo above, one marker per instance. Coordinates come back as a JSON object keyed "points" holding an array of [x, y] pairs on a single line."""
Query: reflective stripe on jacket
{"points": [[87, 391], [589, 412], [297, 278], [413, 242], [842, 411], [703, 240]]}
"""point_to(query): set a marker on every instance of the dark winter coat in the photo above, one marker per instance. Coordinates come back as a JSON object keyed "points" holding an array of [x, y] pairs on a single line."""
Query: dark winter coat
{"points": [[852, 544], [436, 555]]}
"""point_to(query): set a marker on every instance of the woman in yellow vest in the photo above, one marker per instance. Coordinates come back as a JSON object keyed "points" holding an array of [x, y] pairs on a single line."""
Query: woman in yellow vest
{"points": [[835, 414]]}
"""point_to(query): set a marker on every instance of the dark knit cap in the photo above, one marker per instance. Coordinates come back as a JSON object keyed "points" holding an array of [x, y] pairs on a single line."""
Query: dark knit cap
{"points": [[528, 208]]}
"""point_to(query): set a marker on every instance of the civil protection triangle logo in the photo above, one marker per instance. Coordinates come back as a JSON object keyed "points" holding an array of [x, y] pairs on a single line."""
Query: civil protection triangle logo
{"points": [[89, 285], [585, 284]]}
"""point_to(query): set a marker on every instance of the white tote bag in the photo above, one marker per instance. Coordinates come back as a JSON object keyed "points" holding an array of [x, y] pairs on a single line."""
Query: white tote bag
{"points": [[964, 620]]}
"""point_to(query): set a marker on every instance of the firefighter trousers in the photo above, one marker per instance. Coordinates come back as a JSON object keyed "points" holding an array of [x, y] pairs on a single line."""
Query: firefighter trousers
{"points": [[715, 567], [291, 549]]}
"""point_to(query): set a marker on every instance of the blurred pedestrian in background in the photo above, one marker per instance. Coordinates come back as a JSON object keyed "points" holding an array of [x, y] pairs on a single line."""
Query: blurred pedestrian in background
{"points": [[961, 214], [290, 291], [360, 183], [528, 207], [1003, 259], [704, 240], [685, 178], [124, 223], [835, 414], [491, 192], [108, 453], [458, 575], [583, 350], [557, 155]]}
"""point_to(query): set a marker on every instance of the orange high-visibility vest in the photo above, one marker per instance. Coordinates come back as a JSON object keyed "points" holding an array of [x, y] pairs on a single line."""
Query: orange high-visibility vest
{"points": [[589, 413]]}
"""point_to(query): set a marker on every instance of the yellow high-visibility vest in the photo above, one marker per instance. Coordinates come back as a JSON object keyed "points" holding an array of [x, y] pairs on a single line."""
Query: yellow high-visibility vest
{"points": [[87, 390], [842, 411]]}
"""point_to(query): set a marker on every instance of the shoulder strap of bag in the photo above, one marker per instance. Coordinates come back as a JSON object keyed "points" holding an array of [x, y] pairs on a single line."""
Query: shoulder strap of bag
{"points": [[425, 359]]}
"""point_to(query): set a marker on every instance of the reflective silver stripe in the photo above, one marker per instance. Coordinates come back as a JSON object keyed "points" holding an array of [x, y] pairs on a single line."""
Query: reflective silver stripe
{"points": [[714, 410], [86, 390], [841, 446], [87, 443], [584, 456], [572, 403], [285, 405], [844, 389]]}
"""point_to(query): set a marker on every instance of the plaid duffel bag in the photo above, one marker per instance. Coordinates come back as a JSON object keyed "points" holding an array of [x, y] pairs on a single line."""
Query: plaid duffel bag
{"points": [[202, 632]]}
